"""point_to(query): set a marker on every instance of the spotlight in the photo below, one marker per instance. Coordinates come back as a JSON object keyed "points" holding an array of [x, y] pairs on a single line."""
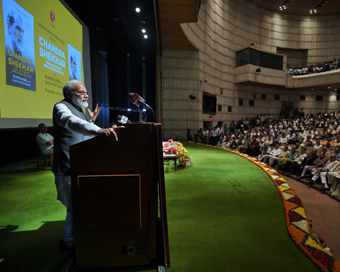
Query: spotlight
{"points": [[143, 30], [137, 10], [192, 97], [258, 70], [284, 7], [252, 44], [128, 109], [145, 36]]}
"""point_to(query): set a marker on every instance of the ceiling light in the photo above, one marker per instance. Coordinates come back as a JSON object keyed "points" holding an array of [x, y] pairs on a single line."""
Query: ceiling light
{"points": [[137, 10], [145, 36], [280, 8], [143, 30], [284, 7]]}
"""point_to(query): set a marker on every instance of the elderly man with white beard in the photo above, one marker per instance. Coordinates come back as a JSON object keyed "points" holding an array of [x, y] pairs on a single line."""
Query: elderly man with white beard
{"points": [[71, 125]]}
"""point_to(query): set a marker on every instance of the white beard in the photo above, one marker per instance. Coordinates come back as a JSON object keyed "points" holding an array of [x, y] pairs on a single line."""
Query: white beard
{"points": [[78, 102]]}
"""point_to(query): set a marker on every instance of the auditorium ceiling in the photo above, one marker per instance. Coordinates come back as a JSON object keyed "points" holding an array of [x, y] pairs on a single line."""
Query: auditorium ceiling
{"points": [[299, 7], [174, 12]]}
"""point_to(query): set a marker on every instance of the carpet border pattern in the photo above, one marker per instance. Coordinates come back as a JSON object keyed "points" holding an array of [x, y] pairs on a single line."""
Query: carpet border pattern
{"points": [[296, 217]]}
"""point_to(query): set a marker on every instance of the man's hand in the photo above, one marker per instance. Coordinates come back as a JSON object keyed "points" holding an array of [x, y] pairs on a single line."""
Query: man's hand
{"points": [[108, 132], [93, 115]]}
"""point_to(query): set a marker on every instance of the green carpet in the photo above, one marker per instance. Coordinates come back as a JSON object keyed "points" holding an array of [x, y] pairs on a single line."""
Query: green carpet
{"points": [[224, 214]]}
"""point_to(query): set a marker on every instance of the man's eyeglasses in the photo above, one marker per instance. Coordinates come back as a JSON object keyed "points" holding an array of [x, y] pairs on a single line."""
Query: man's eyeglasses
{"points": [[82, 92]]}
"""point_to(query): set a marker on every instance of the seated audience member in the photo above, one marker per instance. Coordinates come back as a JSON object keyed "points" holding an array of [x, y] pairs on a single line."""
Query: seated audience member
{"points": [[234, 144], [327, 140], [272, 155], [253, 149], [290, 156], [265, 151], [326, 151], [291, 165], [45, 140], [305, 70], [337, 140], [319, 162], [317, 145], [329, 166], [336, 152], [269, 141], [297, 146], [309, 144], [330, 177], [308, 160], [284, 153]]}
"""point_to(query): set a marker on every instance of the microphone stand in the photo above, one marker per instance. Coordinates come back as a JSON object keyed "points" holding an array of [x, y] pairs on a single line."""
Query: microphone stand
{"points": [[140, 111]]}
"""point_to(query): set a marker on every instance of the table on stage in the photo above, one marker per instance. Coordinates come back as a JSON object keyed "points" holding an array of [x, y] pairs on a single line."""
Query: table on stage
{"points": [[173, 157]]}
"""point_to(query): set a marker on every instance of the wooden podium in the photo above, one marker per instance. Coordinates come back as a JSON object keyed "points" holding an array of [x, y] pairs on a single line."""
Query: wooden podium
{"points": [[119, 204]]}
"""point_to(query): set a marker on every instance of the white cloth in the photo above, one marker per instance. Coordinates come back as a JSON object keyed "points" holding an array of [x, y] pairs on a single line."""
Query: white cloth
{"points": [[41, 139]]}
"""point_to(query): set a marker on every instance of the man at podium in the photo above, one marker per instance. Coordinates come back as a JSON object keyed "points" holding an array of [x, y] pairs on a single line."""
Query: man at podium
{"points": [[72, 125]]}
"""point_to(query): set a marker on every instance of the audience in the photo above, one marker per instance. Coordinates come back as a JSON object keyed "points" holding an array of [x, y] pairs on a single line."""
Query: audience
{"points": [[305, 145], [316, 68]]}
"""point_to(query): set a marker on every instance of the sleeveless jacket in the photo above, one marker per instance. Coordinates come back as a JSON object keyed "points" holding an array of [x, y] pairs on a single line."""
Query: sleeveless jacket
{"points": [[64, 138]]}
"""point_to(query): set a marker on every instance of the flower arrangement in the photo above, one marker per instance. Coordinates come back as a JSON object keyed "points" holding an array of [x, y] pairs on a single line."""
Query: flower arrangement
{"points": [[183, 155], [172, 150], [177, 148]]}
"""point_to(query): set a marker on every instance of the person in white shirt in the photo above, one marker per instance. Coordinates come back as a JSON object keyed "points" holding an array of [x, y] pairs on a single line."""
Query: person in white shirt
{"points": [[45, 140], [272, 155], [265, 151]]}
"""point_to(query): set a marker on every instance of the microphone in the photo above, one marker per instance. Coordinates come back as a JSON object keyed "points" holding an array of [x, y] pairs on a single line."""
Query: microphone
{"points": [[136, 99], [123, 120]]}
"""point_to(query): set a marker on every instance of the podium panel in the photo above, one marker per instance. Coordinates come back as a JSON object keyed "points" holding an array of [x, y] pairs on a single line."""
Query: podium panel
{"points": [[119, 206], [115, 198]]}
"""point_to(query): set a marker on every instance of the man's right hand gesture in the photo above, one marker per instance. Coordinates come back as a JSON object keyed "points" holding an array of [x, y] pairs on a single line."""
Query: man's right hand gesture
{"points": [[109, 133]]}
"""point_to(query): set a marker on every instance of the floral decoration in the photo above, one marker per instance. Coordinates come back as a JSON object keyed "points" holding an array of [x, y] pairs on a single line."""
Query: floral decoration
{"points": [[183, 159], [172, 150]]}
